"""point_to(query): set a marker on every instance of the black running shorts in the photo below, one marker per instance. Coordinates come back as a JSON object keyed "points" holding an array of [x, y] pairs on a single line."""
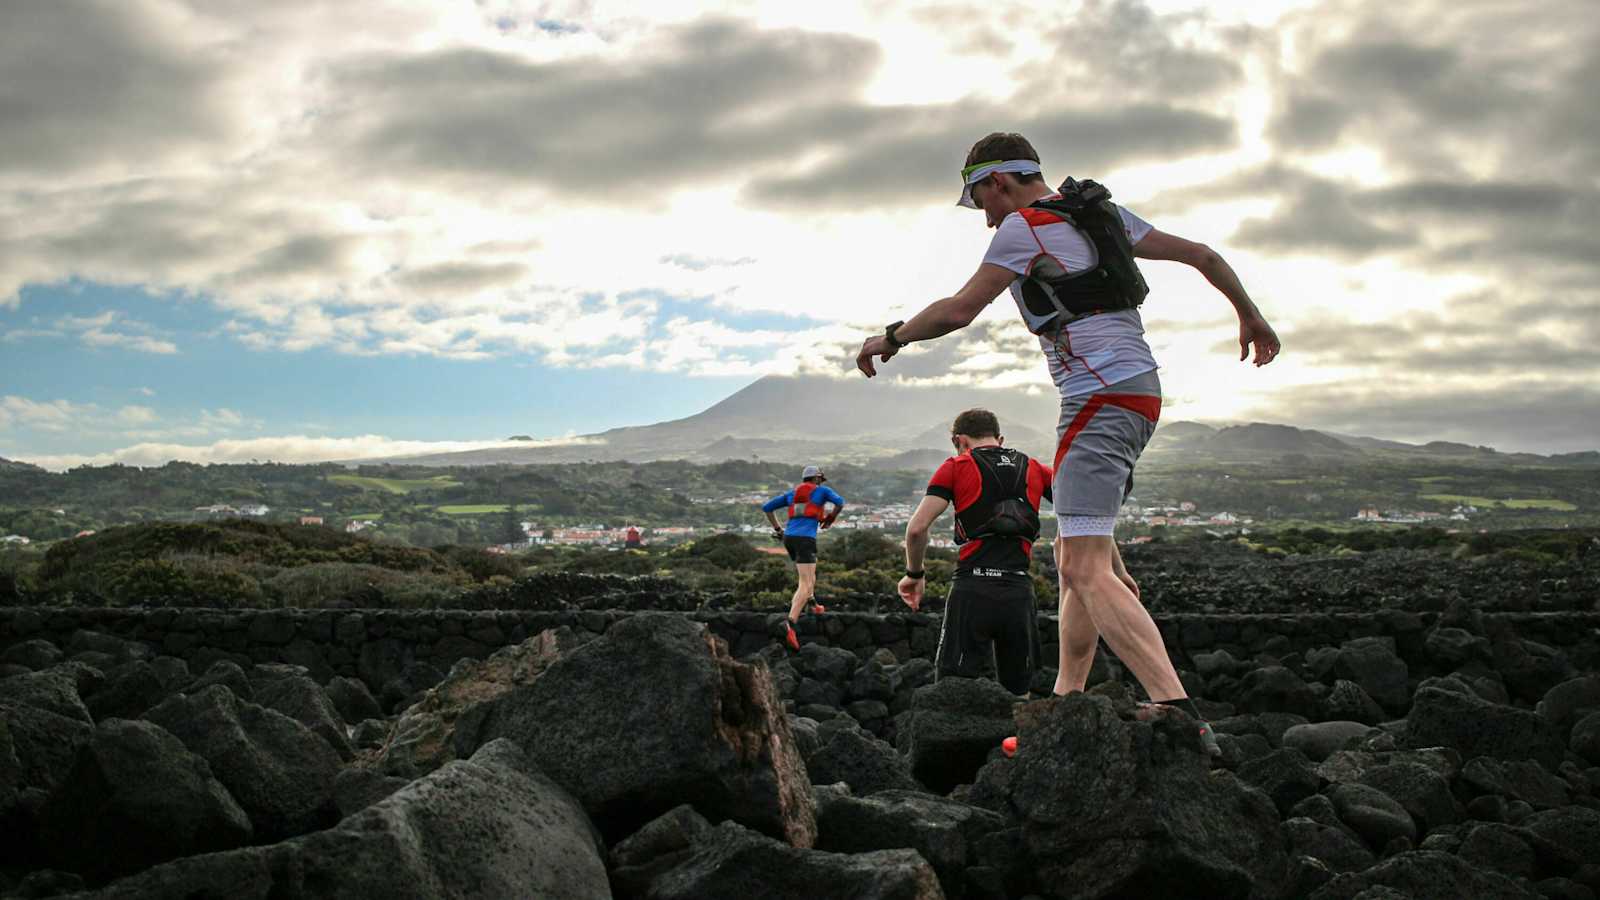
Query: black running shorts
{"points": [[990, 620], [801, 549]]}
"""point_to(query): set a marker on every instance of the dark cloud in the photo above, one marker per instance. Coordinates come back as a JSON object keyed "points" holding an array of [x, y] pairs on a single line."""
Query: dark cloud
{"points": [[1319, 217], [461, 277], [1124, 49], [917, 154], [85, 84], [711, 97]]}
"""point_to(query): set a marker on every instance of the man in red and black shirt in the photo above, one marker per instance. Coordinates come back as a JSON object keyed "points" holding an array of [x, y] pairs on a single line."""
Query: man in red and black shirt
{"points": [[990, 613]]}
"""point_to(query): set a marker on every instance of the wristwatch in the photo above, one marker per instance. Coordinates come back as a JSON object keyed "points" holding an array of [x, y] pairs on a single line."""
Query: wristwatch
{"points": [[888, 335], [920, 573]]}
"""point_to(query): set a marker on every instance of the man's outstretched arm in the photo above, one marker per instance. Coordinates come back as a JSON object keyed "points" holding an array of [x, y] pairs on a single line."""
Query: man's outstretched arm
{"points": [[940, 317], [1253, 327], [917, 529]]}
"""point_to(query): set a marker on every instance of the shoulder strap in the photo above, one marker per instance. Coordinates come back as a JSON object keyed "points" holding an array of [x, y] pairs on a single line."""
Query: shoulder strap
{"points": [[1019, 488]]}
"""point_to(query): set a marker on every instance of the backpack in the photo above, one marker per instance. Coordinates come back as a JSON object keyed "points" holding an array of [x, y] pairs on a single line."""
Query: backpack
{"points": [[802, 501], [1012, 515]]}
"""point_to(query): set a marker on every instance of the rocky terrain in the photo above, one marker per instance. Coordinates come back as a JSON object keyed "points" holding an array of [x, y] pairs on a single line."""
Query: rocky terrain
{"points": [[644, 760]]}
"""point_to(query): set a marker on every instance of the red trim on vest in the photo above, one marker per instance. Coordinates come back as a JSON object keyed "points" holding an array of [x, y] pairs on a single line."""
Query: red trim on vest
{"points": [[802, 494], [1035, 216], [1146, 405]]}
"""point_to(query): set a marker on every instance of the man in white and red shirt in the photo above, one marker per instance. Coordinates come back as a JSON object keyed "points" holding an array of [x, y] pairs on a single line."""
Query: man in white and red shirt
{"points": [[1071, 271]]}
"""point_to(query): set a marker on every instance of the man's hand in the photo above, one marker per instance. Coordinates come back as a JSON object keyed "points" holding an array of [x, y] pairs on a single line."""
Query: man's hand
{"points": [[879, 346], [777, 534], [828, 520], [1255, 330], [911, 591]]}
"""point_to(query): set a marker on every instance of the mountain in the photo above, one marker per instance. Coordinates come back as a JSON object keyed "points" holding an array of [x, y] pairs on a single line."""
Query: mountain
{"points": [[885, 422]]}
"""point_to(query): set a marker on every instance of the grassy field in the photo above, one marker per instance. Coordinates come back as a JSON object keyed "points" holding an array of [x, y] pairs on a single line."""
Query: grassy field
{"points": [[476, 509], [1488, 502], [394, 485]]}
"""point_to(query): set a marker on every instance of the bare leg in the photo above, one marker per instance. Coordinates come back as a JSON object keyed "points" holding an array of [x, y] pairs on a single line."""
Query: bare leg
{"points": [[1079, 637], [803, 592], [1115, 610]]}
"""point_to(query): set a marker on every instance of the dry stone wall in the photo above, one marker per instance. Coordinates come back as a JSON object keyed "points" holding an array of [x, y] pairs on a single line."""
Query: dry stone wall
{"points": [[378, 646]]}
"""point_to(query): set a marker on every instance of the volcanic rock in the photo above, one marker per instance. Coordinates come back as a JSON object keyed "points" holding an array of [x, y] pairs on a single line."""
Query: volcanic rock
{"points": [[424, 737], [955, 723], [278, 770], [848, 755], [1319, 740], [304, 701], [944, 832], [1116, 808], [731, 862], [489, 827], [653, 714], [352, 699], [1425, 875], [136, 797], [1475, 727]]}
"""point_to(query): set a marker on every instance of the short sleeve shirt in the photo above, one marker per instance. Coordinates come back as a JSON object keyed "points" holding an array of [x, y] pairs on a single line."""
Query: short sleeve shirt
{"points": [[803, 526], [959, 481], [1093, 352]]}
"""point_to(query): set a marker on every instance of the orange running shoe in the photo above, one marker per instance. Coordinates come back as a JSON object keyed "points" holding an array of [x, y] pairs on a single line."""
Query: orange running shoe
{"points": [[790, 638], [1009, 746], [817, 609]]}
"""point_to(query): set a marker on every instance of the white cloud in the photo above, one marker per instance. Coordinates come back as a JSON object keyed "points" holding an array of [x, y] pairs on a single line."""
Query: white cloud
{"points": [[284, 449], [54, 415], [136, 415]]}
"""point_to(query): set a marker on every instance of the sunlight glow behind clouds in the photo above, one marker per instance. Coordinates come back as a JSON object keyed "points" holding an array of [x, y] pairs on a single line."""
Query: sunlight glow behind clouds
{"points": [[502, 180]]}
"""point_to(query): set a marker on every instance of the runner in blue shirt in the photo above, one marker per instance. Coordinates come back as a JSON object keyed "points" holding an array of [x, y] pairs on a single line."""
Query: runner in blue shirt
{"points": [[806, 515]]}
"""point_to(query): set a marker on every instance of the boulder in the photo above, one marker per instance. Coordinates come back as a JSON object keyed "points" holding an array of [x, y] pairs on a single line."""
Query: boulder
{"points": [[1451, 647], [1277, 689], [1372, 814], [278, 770], [43, 744], [1352, 765], [1568, 702], [1530, 669], [352, 699], [119, 650], [355, 789], [1585, 743], [654, 714], [1371, 663], [1421, 790], [489, 827], [136, 797], [850, 756], [1112, 807], [424, 737], [304, 701], [1475, 727], [955, 723], [1575, 830], [1271, 726], [53, 690], [1285, 776], [1520, 780], [228, 674], [1347, 701], [1333, 845], [406, 687], [1425, 875], [731, 862], [1498, 847], [1319, 740], [32, 654], [944, 832], [128, 690]]}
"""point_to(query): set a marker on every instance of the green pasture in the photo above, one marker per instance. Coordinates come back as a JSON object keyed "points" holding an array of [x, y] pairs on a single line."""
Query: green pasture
{"points": [[1489, 502], [394, 485], [474, 509]]}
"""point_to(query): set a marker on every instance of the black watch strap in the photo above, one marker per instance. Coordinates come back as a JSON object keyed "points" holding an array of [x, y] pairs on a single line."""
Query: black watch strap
{"points": [[888, 335], [920, 573]]}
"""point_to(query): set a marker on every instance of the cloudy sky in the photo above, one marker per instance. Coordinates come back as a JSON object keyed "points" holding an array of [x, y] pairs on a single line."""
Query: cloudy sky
{"points": [[303, 230]]}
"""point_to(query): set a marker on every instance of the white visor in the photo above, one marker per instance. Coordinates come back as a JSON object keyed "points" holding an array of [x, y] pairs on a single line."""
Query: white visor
{"points": [[977, 172]]}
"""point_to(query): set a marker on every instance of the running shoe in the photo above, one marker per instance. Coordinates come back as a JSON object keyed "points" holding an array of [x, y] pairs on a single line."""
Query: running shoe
{"points": [[790, 638], [1208, 740], [1009, 746], [817, 609]]}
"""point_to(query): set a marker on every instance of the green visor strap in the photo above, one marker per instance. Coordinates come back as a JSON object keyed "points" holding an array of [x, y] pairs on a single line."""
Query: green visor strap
{"points": [[979, 171]]}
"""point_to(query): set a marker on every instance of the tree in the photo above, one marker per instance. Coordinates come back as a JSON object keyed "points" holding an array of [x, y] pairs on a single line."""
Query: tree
{"points": [[511, 527]]}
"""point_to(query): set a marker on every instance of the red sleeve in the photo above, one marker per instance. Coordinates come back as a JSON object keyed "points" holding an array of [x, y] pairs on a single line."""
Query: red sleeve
{"points": [[1040, 481], [943, 482]]}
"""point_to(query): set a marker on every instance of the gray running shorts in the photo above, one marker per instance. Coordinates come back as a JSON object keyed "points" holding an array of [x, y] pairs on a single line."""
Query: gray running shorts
{"points": [[1098, 440]]}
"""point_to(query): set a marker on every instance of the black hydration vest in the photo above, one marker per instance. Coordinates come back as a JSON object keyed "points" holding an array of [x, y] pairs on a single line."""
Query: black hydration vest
{"points": [[1114, 283], [1002, 509]]}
